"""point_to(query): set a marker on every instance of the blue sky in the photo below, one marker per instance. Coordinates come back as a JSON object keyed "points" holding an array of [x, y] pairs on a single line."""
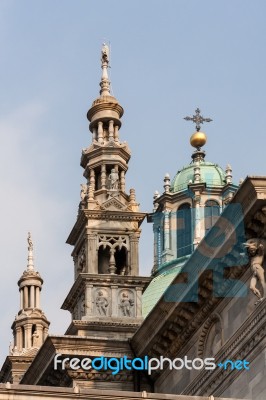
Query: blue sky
{"points": [[168, 57]]}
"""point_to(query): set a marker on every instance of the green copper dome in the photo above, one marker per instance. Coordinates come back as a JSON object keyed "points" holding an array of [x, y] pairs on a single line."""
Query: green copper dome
{"points": [[210, 173]]}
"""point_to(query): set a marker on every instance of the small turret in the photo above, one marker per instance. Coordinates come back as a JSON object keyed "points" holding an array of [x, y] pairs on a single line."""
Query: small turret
{"points": [[30, 327]]}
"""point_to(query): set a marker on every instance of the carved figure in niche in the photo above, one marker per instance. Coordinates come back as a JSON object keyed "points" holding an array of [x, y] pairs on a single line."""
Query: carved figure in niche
{"points": [[101, 303], [35, 339], [256, 252], [83, 191], [82, 260], [113, 178], [126, 304]]}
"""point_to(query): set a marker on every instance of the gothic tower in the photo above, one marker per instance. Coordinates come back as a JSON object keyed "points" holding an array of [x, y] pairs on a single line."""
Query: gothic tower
{"points": [[107, 289]]}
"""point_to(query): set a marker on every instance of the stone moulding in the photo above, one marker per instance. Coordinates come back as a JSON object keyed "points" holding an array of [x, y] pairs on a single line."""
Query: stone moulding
{"points": [[239, 346]]}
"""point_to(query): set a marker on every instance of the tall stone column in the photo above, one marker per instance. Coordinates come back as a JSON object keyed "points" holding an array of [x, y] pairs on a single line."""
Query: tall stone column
{"points": [[112, 268], [122, 181], [114, 295], [32, 296], [134, 254], [26, 297], [92, 179], [116, 134], [45, 333], [166, 230], [138, 302], [18, 341], [21, 299], [197, 221], [88, 300], [28, 334], [103, 176], [94, 134], [37, 297], [111, 130], [100, 132], [92, 254]]}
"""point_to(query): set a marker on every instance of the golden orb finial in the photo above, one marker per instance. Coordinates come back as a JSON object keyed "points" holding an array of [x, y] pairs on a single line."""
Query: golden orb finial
{"points": [[198, 139]]}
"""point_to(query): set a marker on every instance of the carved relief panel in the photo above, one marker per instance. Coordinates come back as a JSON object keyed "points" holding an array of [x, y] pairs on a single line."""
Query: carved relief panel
{"points": [[102, 302], [126, 303]]}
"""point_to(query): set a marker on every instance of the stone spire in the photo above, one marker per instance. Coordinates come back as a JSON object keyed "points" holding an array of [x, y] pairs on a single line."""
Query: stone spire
{"points": [[105, 83], [30, 327], [30, 265]]}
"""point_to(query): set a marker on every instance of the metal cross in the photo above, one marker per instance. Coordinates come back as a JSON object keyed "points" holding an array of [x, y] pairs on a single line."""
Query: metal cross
{"points": [[198, 119]]}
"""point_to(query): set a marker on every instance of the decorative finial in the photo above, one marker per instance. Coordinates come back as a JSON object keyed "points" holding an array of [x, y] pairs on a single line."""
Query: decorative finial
{"points": [[228, 174], [166, 183], [198, 119], [105, 83], [30, 265]]}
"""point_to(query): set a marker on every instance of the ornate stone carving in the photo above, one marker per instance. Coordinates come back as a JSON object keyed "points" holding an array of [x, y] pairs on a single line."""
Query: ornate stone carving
{"points": [[83, 191], [82, 259], [114, 179], [255, 250], [211, 339], [101, 303], [35, 339], [126, 304]]}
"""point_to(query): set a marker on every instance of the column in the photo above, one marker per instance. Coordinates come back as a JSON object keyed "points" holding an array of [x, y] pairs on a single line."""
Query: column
{"points": [[94, 134], [100, 132], [45, 333], [116, 135], [111, 130], [134, 254], [37, 301], [92, 179], [92, 254], [28, 334], [21, 299], [166, 231], [114, 294], [32, 299], [26, 297], [197, 221], [18, 341], [88, 300], [138, 302], [112, 267], [122, 181], [103, 176]]}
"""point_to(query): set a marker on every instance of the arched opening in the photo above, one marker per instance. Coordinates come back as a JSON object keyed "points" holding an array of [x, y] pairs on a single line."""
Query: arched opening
{"points": [[184, 231], [121, 261], [211, 214], [103, 260]]}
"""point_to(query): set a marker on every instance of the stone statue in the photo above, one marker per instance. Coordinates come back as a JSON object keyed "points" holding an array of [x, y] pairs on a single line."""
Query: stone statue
{"points": [[256, 252], [82, 260], [35, 339], [30, 243], [101, 303], [83, 191], [11, 348], [126, 304], [105, 53], [113, 178]]}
